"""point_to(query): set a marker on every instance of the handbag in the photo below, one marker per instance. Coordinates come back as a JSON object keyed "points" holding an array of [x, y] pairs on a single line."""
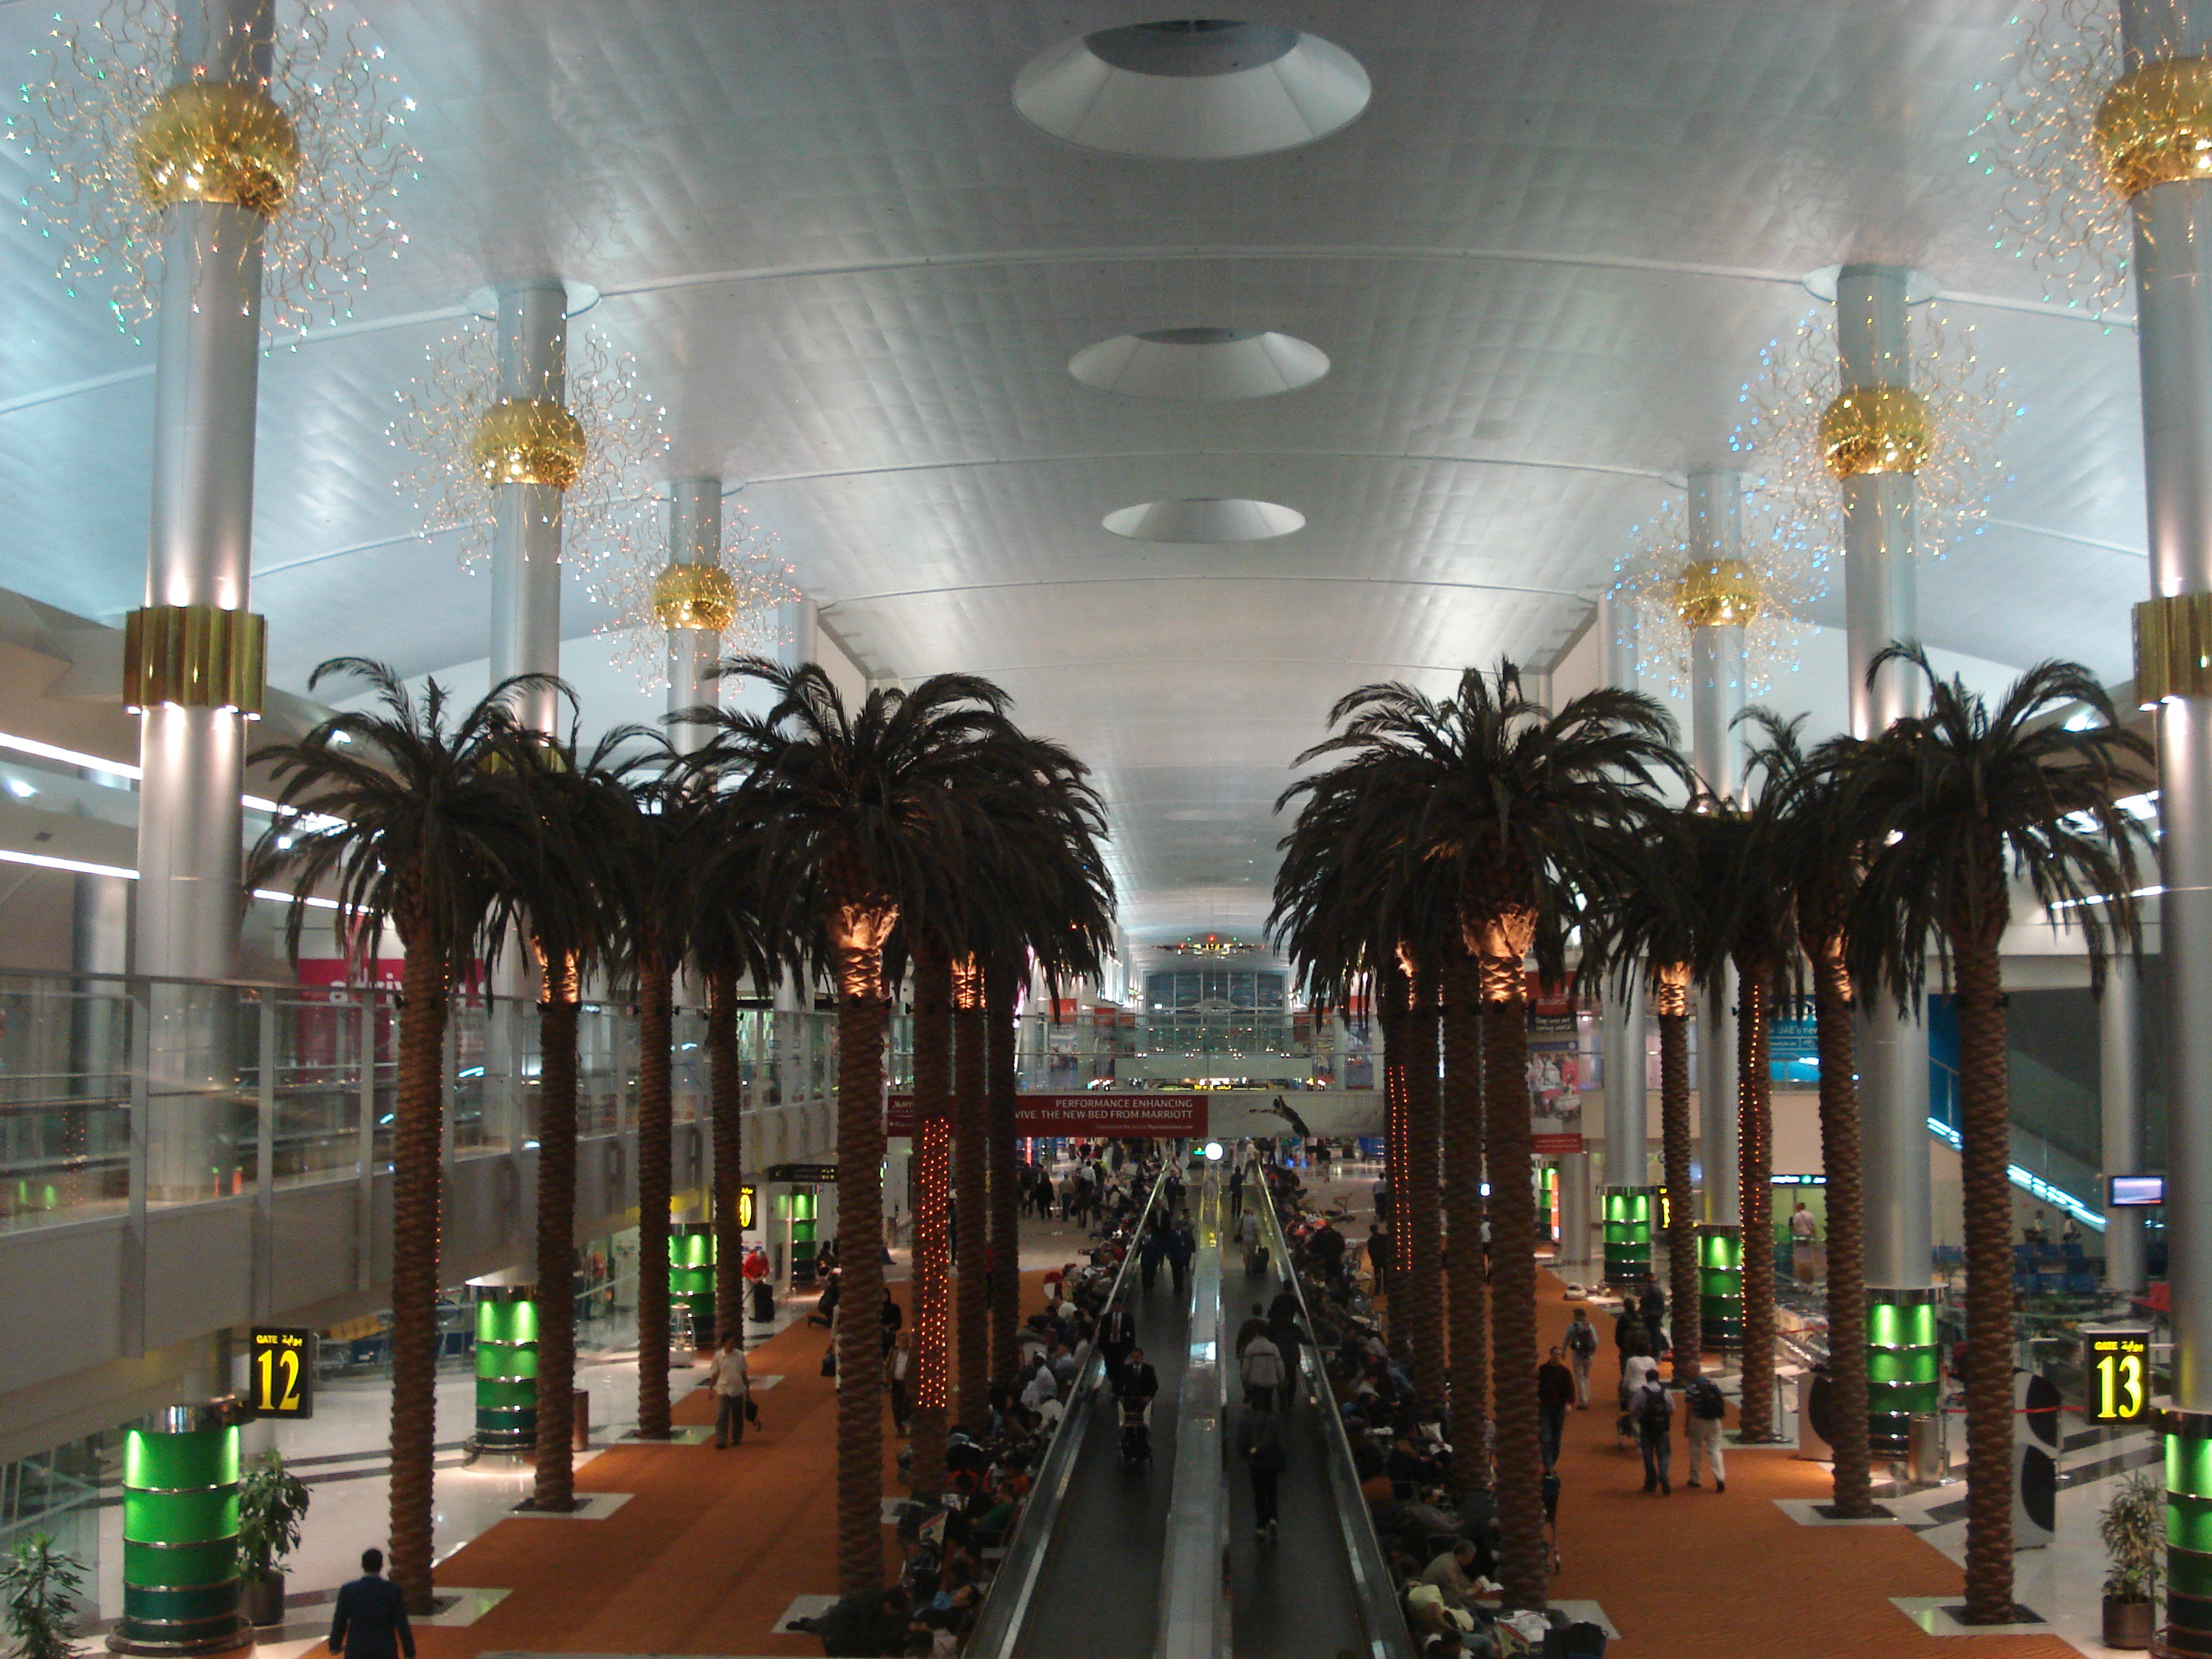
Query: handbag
{"points": [[752, 1412], [830, 1360]]}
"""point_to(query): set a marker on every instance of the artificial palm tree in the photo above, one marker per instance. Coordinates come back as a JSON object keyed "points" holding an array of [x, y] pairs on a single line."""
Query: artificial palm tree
{"points": [[1535, 815], [932, 1180], [1467, 1274], [971, 1196], [1659, 927], [861, 819], [1952, 806], [394, 809], [1818, 867]]}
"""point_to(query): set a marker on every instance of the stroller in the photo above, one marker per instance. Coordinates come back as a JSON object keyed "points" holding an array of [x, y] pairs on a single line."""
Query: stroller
{"points": [[1136, 1433]]}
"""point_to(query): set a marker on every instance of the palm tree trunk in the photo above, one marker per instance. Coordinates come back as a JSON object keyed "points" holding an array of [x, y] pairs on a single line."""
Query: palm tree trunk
{"points": [[999, 988], [971, 1199], [726, 1095], [932, 1175], [1985, 1149], [1005, 1197], [1423, 1183], [1396, 1149], [417, 1151], [1522, 1558], [557, 1016], [1846, 1195], [1670, 998], [1469, 1291], [858, 927], [655, 1181], [1755, 1164]]}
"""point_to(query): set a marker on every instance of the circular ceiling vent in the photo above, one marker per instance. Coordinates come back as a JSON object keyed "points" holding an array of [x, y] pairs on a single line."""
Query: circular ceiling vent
{"points": [[1200, 365], [1199, 89], [1206, 519]]}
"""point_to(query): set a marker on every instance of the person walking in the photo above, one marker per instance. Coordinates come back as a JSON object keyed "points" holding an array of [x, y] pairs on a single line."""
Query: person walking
{"points": [[1117, 1335], [1654, 1413], [1260, 1441], [900, 1375], [1182, 1250], [1555, 1392], [1582, 1348], [1248, 1241], [1150, 1249], [1653, 1307], [370, 1620], [1628, 1332], [1236, 1191], [1804, 1233], [1704, 1410], [1260, 1370], [732, 1385]]}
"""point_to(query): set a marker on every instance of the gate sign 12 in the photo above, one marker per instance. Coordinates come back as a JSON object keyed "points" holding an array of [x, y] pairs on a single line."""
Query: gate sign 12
{"points": [[2116, 1367], [280, 1370]]}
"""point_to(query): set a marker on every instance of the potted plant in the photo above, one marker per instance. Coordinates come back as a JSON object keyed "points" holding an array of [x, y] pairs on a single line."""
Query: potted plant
{"points": [[272, 1502], [2133, 1529], [38, 1599]]}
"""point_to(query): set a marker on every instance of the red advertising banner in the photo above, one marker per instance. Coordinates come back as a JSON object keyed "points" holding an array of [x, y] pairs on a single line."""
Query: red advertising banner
{"points": [[1555, 1145], [1084, 1114]]}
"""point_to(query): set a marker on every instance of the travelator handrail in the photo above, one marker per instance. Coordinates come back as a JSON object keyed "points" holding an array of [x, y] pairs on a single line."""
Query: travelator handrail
{"points": [[1195, 1620], [1006, 1607], [1373, 1589]]}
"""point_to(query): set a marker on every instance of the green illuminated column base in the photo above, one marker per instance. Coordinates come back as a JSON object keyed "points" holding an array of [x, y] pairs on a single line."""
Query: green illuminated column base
{"points": [[1720, 1286], [2188, 1532], [1904, 1365], [1547, 1204], [507, 1370], [1628, 1212], [691, 1277], [180, 1586]]}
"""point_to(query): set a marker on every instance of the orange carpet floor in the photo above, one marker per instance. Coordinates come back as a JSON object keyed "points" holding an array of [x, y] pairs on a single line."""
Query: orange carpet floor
{"points": [[711, 1547], [1703, 1575]]}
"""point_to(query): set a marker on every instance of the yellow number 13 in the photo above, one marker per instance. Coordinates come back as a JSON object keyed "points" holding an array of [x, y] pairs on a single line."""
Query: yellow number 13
{"points": [[2120, 1394]]}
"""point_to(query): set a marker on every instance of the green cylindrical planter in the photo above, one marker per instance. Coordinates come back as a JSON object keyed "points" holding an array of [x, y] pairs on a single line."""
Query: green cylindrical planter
{"points": [[691, 1277], [180, 1586], [507, 1370], [2188, 1532], [1628, 1233], [1904, 1366], [1547, 1204], [1720, 1286]]}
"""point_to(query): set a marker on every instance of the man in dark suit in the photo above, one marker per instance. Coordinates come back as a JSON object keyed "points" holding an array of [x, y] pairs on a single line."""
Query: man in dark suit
{"points": [[371, 1615]]}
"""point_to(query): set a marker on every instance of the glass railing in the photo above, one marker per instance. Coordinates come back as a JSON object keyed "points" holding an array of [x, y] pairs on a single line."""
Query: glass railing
{"points": [[243, 1084], [2046, 1172]]}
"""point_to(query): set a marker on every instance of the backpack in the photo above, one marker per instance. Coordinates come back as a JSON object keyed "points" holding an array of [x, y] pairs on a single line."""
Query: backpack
{"points": [[1262, 1367], [1655, 1412], [1704, 1400], [1582, 1339]]}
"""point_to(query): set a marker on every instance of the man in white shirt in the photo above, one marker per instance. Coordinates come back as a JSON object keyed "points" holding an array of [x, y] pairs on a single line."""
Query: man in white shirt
{"points": [[732, 1385], [1042, 1387]]}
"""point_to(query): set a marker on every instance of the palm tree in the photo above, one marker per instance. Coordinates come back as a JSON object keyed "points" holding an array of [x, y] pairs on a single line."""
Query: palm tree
{"points": [[1535, 815], [391, 809], [563, 895], [861, 820], [1952, 805], [932, 1178], [1659, 925], [1818, 866], [1467, 1274], [971, 1197]]}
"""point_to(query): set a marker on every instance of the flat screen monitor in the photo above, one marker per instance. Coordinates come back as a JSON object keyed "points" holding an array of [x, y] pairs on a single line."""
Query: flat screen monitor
{"points": [[2135, 1191]]}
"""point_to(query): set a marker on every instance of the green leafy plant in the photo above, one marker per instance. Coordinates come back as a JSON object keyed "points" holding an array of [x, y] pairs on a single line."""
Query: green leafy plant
{"points": [[2133, 1529], [38, 1592], [272, 1502]]}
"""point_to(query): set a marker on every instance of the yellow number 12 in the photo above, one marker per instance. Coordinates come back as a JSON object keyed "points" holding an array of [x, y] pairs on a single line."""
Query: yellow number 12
{"points": [[269, 1358]]}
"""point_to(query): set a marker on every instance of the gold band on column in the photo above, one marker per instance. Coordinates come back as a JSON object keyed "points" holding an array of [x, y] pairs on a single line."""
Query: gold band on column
{"points": [[2173, 647], [195, 656]]}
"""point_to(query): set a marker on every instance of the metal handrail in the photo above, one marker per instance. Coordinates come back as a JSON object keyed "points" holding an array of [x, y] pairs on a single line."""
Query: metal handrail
{"points": [[1373, 1589], [1006, 1607]]}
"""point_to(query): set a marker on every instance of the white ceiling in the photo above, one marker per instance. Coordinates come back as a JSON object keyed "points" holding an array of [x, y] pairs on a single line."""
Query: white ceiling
{"points": [[1541, 263]]}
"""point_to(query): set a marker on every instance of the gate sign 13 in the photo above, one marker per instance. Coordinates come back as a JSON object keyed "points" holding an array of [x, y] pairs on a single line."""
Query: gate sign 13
{"points": [[280, 1370], [2116, 1372]]}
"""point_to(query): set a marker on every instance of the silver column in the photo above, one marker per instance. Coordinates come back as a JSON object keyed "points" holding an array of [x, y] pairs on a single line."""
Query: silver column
{"points": [[1717, 697], [200, 552], [1620, 1031], [1881, 606], [2119, 1076], [526, 561], [695, 536], [2173, 334]]}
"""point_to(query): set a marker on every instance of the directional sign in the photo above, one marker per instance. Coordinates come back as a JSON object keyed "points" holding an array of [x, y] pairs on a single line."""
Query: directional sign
{"points": [[2116, 1373], [280, 1372]]}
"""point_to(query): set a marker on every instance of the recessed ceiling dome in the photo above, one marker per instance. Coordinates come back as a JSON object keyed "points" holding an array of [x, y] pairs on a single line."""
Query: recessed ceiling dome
{"points": [[1206, 519], [1199, 364], [1200, 89]]}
